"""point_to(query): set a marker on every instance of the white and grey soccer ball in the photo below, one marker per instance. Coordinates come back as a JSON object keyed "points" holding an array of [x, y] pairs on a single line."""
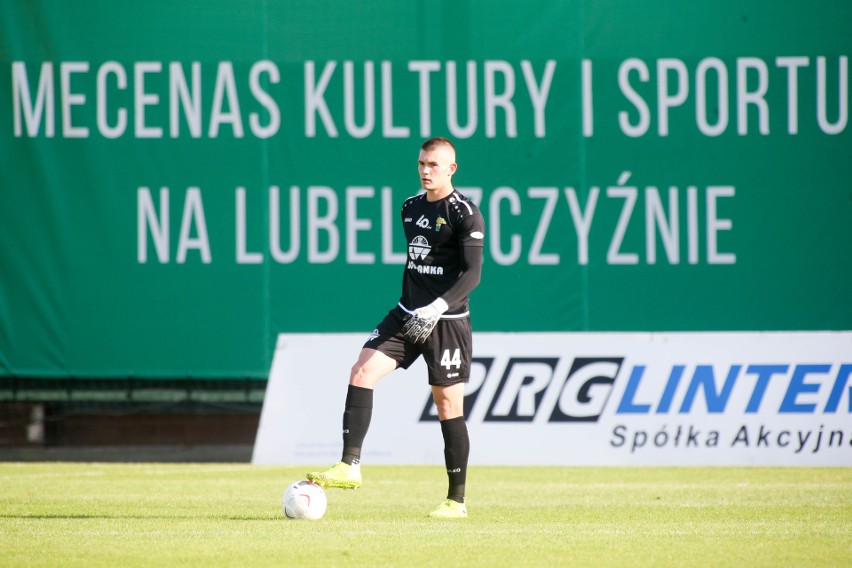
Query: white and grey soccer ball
{"points": [[304, 500]]}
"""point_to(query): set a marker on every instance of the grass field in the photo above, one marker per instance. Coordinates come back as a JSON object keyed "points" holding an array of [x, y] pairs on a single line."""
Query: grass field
{"points": [[64, 514]]}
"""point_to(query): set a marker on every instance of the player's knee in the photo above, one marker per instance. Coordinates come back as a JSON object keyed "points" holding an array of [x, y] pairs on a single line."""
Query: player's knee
{"points": [[370, 367], [357, 375], [363, 375], [449, 401], [448, 408]]}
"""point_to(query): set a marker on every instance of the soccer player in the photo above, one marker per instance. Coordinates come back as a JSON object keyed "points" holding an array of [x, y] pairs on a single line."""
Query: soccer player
{"points": [[445, 234]]}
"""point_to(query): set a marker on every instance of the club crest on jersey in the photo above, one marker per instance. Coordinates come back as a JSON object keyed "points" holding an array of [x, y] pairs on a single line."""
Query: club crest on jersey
{"points": [[418, 248], [439, 222]]}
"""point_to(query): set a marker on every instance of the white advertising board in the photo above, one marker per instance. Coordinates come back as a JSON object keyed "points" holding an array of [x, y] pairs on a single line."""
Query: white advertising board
{"points": [[753, 398]]}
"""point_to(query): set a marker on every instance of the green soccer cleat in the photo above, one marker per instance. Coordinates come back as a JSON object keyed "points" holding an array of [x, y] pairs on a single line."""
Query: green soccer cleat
{"points": [[449, 509], [340, 475]]}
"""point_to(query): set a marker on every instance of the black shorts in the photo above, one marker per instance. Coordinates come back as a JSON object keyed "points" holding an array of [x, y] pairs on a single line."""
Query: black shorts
{"points": [[447, 351]]}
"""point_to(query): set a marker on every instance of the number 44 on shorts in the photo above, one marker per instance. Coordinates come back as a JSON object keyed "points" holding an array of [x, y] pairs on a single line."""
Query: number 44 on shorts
{"points": [[449, 361]]}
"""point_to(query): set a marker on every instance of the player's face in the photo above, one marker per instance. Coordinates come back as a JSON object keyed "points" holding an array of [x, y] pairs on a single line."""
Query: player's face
{"points": [[436, 168]]}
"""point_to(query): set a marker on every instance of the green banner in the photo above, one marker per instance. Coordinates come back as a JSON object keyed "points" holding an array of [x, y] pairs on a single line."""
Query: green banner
{"points": [[180, 182]]}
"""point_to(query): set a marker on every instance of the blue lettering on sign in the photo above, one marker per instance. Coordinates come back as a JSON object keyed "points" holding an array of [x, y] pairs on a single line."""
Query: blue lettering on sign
{"points": [[764, 375], [627, 406], [798, 386], [706, 381], [671, 388], [707, 384], [834, 398]]}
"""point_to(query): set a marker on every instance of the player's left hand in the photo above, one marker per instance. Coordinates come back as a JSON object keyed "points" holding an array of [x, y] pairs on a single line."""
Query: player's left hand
{"points": [[419, 325]]}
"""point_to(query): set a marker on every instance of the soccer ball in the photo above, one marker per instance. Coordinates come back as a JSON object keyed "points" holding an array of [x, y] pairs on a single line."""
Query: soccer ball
{"points": [[304, 500]]}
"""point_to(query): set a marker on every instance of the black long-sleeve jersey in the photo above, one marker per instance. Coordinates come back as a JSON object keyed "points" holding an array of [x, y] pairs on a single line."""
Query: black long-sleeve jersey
{"points": [[445, 244]]}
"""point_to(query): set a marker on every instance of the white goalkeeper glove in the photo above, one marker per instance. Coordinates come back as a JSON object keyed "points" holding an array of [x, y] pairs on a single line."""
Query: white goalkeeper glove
{"points": [[420, 324]]}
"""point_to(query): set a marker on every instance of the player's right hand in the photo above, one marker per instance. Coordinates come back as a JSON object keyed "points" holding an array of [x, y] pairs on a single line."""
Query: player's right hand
{"points": [[419, 325]]}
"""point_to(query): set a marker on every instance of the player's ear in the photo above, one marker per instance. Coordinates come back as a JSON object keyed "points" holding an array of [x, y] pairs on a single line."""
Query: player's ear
{"points": [[453, 168]]}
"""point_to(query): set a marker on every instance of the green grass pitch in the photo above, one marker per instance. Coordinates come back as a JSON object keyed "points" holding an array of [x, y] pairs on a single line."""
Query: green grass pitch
{"points": [[73, 514]]}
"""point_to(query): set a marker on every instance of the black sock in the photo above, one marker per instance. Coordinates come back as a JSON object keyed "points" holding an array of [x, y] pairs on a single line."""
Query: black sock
{"points": [[356, 422], [456, 452]]}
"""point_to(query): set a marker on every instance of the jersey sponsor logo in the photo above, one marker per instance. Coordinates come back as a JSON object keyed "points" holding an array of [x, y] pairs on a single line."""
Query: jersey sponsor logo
{"points": [[373, 336], [477, 235], [425, 269], [418, 248]]}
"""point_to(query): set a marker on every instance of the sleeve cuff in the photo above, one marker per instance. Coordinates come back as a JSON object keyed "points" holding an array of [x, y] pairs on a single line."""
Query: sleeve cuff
{"points": [[440, 305]]}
